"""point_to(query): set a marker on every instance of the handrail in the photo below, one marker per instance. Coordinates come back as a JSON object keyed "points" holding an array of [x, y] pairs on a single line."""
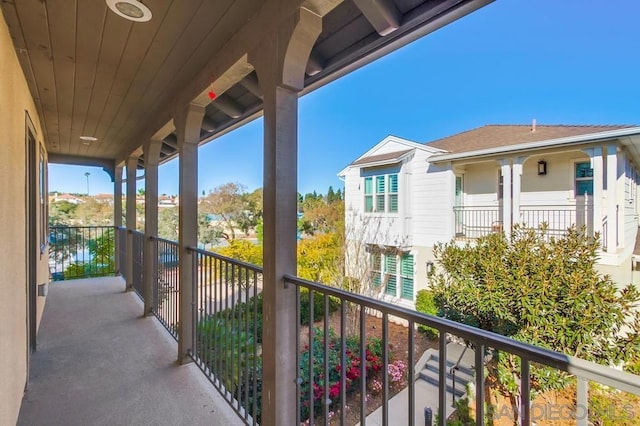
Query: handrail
{"points": [[164, 240], [579, 367], [250, 266]]}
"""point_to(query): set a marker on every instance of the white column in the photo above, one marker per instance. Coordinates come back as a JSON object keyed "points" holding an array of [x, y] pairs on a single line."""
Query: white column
{"points": [[517, 188], [132, 164], [188, 123], [611, 198], [621, 199], [505, 170], [280, 63], [117, 214], [151, 160], [598, 190]]}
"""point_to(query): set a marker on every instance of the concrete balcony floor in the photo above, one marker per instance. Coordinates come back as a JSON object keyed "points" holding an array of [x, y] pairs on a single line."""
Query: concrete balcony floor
{"points": [[98, 362]]}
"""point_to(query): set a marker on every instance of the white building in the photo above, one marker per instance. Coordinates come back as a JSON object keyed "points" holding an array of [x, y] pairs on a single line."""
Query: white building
{"points": [[403, 197]]}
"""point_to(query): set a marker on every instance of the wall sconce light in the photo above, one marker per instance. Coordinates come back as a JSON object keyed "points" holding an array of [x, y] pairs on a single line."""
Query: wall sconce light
{"points": [[429, 268], [542, 167]]}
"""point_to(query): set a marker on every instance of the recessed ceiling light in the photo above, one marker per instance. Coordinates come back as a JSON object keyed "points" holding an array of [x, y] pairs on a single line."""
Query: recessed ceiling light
{"points": [[88, 138], [132, 10]]}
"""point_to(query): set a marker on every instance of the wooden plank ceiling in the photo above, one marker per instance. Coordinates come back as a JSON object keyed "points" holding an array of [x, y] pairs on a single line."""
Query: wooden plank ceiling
{"points": [[94, 73]]}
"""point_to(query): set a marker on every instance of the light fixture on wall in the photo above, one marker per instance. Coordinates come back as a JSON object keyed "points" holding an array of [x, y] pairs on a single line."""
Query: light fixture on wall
{"points": [[132, 10], [429, 268], [542, 167]]}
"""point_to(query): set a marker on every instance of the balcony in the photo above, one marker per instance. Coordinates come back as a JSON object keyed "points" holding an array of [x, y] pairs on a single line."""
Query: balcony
{"points": [[100, 363], [226, 311], [472, 222]]}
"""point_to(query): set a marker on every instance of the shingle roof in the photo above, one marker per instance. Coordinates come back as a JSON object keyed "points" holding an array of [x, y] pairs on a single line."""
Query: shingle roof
{"points": [[382, 157], [493, 136]]}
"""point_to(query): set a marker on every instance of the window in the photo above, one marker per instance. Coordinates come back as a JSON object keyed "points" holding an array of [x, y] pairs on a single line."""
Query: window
{"points": [[393, 193], [368, 194], [390, 272], [376, 269], [584, 179], [406, 276], [390, 268], [381, 193]]}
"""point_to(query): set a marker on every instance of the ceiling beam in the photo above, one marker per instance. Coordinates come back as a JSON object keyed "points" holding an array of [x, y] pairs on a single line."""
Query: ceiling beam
{"points": [[383, 15], [229, 106], [250, 82], [315, 64]]}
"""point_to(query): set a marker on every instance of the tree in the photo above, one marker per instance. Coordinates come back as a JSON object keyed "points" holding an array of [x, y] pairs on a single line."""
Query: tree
{"points": [[168, 221], [93, 213], [540, 290], [236, 210], [62, 213]]}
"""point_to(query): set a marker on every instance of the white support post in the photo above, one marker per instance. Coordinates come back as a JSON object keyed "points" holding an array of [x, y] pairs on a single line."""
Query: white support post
{"points": [[151, 160], [505, 170], [622, 198], [188, 123], [517, 188], [598, 190], [280, 64], [132, 165]]}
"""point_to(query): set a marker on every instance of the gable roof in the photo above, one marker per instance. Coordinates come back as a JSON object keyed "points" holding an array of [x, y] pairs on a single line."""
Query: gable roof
{"points": [[494, 136], [389, 156]]}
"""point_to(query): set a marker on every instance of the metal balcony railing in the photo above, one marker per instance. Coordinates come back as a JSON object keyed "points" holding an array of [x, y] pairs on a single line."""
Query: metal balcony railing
{"points": [[166, 286], [477, 221], [81, 251], [334, 333], [472, 222]]}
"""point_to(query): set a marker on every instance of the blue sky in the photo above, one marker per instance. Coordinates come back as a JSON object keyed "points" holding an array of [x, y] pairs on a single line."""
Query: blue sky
{"points": [[560, 62]]}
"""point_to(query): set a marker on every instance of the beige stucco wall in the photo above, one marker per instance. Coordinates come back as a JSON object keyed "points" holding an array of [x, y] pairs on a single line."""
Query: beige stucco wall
{"points": [[15, 99]]}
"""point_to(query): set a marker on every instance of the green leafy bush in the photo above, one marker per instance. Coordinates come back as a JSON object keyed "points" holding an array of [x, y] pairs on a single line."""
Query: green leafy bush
{"points": [[425, 303], [318, 306]]}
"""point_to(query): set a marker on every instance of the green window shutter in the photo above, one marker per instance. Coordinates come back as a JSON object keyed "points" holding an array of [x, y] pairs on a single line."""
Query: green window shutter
{"points": [[380, 203], [393, 183], [390, 265], [406, 272], [393, 203], [391, 285], [380, 184], [377, 279], [390, 269], [407, 288], [406, 265]]}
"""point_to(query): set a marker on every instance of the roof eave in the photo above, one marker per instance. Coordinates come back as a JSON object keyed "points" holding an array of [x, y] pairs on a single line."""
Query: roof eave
{"points": [[532, 146]]}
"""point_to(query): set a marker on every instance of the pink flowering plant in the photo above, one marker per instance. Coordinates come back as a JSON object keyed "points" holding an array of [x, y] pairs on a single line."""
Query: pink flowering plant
{"points": [[312, 387]]}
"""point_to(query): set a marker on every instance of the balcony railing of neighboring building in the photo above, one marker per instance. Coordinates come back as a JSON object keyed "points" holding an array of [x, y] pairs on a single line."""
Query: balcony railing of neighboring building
{"points": [[473, 222], [227, 312], [81, 251], [558, 218]]}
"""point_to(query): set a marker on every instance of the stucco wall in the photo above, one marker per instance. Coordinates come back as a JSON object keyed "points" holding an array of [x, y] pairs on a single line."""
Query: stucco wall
{"points": [[15, 99]]}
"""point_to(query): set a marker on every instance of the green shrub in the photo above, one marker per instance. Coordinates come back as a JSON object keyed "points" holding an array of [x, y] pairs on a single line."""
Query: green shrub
{"points": [[318, 306], [425, 303]]}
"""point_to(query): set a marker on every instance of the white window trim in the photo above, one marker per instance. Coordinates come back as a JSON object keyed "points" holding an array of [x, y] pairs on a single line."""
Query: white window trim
{"points": [[386, 194], [572, 177]]}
